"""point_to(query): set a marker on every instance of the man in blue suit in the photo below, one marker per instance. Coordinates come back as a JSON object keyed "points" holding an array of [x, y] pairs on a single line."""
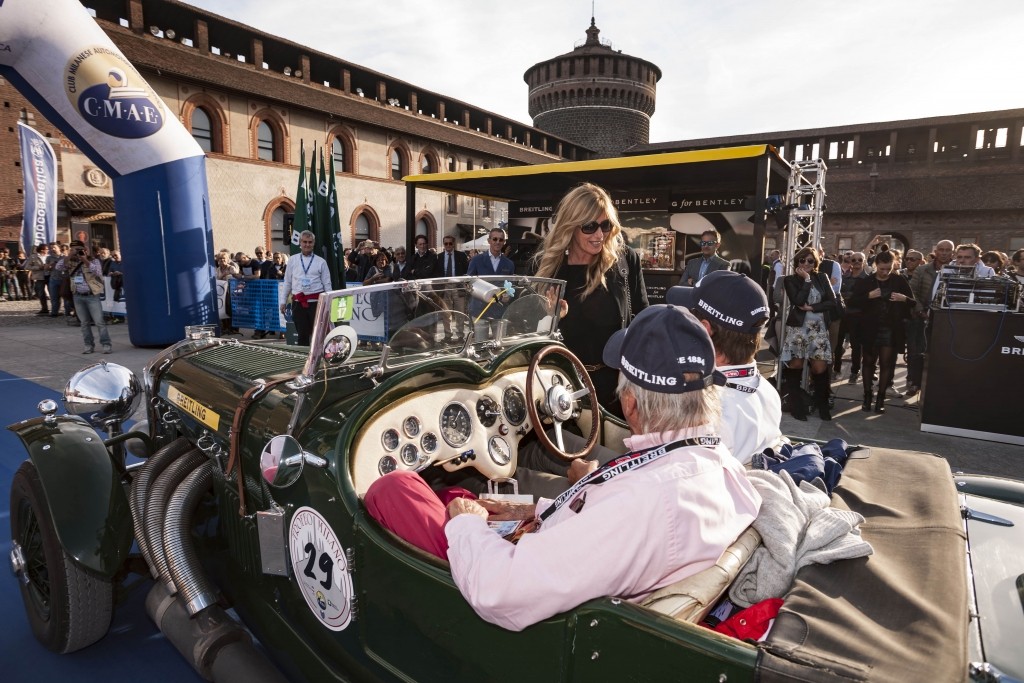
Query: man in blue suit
{"points": [[491, 263], [708, 261]]}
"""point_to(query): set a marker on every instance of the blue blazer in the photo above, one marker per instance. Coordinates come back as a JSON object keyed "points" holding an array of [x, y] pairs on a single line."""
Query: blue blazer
{"points": [[481, 265]]}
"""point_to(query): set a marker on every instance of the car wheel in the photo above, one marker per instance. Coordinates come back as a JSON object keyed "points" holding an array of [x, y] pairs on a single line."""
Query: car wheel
{"points": [[68, 606]]}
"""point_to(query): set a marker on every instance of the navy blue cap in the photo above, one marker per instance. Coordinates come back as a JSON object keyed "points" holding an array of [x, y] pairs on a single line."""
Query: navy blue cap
{"points": [[730, 299], [661, 344]]}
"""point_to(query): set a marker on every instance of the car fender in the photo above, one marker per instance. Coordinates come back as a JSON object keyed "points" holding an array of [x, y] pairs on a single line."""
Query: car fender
{"points": [[986, 486], [84, 494]]}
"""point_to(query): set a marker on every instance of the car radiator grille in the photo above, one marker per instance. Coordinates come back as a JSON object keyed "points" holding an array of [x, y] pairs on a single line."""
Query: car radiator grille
{"points": [[250, 362]]}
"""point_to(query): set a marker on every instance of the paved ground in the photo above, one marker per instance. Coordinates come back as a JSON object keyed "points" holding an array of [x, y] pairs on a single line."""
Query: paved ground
{"points": [[48, 351]]}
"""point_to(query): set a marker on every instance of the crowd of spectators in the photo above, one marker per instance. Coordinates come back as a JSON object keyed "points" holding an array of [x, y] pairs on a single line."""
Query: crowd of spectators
{"points": [[42, 276], [884, 297]]}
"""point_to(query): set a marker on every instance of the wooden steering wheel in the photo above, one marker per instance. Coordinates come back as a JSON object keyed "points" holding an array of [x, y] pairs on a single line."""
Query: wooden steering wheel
{"points": [[558, 403]]}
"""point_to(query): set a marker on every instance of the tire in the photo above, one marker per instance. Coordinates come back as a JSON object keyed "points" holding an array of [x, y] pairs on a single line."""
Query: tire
{"points": [[68, 606]]}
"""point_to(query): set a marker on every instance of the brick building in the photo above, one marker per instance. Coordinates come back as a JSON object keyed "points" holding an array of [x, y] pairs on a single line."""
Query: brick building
{"points": [[921, 180], [249, 99], [595, 96]]}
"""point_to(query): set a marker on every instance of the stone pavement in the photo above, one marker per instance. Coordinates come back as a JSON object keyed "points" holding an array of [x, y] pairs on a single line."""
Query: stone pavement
{"points": [[48, 351]]}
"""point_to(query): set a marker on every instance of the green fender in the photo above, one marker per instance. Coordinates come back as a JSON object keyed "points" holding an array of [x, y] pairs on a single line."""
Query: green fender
{"points": [[84, 494]]}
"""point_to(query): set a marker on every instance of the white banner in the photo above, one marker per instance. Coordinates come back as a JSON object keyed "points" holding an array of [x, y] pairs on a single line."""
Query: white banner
{"points": [[67, 60]]}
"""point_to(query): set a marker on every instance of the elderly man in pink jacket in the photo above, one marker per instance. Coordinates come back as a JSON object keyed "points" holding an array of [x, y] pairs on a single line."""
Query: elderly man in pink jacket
{"points": [[662, 512]]}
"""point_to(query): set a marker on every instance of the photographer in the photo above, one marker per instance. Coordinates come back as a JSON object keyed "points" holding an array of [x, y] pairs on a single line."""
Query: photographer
{"points": [[85, 276]]}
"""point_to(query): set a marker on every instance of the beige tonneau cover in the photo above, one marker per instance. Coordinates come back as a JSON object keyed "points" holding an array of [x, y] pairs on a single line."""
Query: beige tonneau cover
{"points": [[900, 614]]}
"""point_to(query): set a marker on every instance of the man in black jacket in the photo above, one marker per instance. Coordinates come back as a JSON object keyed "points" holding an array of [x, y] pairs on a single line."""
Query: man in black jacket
{"points": [[423, 261]]}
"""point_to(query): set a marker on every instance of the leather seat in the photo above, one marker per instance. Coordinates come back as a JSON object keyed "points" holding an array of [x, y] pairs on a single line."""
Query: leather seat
{"points": [[690, 599]]}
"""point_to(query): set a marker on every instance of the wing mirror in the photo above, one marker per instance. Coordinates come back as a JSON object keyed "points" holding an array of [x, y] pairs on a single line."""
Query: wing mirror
{"points": [[282, 460]]}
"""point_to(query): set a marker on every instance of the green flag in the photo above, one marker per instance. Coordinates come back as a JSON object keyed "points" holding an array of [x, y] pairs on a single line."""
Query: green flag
{"points": [[300, 217], [322, 223], [337, 262], [311, 203]]}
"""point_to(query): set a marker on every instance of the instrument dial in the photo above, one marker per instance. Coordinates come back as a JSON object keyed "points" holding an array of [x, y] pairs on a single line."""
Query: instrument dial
{"points": [[411, 427], [514, 403], [499, 450], [456, 424], [387, 465], [390, 439], [487, 411], [410, 454], [429, 442]]}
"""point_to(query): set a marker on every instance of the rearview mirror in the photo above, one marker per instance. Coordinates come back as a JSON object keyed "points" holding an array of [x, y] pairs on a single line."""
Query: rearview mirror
{"points": [[282, 459]]}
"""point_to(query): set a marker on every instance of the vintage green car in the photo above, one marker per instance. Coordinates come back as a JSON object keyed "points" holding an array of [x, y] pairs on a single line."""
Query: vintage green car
{"points": [[240, 494]]}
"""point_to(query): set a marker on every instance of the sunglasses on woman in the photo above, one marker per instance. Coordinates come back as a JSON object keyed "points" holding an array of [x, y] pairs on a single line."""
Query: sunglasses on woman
{"points": [[591, 227], [808, 260]]}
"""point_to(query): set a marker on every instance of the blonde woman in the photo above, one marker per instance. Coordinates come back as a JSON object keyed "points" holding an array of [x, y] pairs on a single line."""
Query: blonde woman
{"points": [[604, 282]]}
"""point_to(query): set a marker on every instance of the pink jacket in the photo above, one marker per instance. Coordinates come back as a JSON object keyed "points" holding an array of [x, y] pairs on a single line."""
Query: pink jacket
{"points": [[640, 531]]}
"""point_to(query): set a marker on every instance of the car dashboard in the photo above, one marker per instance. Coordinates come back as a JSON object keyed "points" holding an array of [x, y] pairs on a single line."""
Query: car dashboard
{"points": [[455, 426]]}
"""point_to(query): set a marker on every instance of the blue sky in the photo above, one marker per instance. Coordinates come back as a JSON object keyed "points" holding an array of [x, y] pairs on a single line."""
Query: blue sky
{"points": [[728, 66]]}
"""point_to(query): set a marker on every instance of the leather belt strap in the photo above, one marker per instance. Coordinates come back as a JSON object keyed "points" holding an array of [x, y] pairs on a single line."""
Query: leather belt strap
{"points": [[234, 457]]}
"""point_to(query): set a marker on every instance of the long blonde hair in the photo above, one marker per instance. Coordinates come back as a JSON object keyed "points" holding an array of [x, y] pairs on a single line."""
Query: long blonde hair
{"points": [[580, 205]]}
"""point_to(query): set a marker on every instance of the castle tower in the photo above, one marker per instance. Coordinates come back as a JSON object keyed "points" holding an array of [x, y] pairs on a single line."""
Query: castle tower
{"points": [[595, 96]]}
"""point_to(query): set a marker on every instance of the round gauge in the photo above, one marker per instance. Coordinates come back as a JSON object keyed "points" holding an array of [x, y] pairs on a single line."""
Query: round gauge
{"points": [[429, 442], [515, 406], [487, 411], [389, 439], [387, 465], [411, 427], [456, 424], [410, 454], [499, 450]]}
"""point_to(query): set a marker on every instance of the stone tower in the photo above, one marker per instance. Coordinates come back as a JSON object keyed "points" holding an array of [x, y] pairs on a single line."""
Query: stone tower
{"points": [[595, 96]]}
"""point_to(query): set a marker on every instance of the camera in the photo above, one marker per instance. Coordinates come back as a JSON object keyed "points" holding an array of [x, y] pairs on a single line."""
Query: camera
{"points": [[80, 252]]}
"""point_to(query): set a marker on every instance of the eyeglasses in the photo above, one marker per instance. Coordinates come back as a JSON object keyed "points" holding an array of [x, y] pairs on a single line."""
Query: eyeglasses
{"points": [[497, 239], [708, 243], [812, 261], [591, 227], [857, 260], [449, 244]]}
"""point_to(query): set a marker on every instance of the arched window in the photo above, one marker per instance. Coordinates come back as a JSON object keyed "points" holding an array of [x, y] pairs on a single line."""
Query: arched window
{"points": [[343, 150], [427, 164], [265, 142], [338, 152], [276, 226], [422, 229], [362, 228], [202, 130], [452, 164], [268, 136], [204, 118], [278, 240], [397, 164]]}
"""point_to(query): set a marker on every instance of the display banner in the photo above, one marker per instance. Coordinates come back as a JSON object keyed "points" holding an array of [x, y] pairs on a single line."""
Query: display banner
{"points": [[75, 73], [640, 200], [39, 172], [701, 203]]}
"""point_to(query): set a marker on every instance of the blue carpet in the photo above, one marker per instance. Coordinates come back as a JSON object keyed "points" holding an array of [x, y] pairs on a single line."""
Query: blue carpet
{"points": [[133, 649]]}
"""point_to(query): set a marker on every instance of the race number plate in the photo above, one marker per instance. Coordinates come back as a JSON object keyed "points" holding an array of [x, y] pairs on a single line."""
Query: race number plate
{"points": [[321, 568]]}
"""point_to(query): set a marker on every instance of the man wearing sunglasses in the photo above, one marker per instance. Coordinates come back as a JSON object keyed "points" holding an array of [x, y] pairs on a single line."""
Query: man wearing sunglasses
{"points": [[493, 262], [708, 261]]}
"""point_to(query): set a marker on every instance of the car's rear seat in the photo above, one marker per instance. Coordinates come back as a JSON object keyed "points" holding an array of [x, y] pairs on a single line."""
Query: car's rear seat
{"points": [[690, 599]]}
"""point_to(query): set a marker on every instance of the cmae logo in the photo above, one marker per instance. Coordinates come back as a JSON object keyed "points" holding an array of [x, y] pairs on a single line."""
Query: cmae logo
{"points": [[111, 95]]}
